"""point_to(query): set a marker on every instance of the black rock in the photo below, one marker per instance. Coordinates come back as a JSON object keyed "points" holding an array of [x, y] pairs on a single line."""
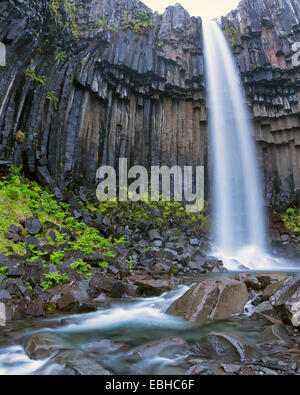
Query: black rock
{"points": [[118, 290], [33, 226]]}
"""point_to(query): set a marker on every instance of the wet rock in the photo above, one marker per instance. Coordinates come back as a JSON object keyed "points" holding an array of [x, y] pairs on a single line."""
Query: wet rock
{"points": [[81, 364], [70, 298], [270, 278], [231, 369], [250, 280], [286, 301], [36, 308], [42, 346], [2, 314], [271, 289], [154, 287], [162, 348], [213, 264], [201, 370], [98, 284], [211, 300], [225, 348], [118, 289], [278, 333], [264, 308], [106, 346], [33, 226]]}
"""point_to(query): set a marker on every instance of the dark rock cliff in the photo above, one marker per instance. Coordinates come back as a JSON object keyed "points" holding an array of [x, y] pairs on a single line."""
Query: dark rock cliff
{"points": [[86, 82]]}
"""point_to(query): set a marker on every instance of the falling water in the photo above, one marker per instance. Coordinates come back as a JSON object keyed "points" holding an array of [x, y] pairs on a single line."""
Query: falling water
{"points": [[238, 205]]}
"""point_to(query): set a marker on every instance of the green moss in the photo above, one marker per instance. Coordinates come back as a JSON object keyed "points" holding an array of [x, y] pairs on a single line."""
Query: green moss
{"points": [[20, 137], [140, 23], [65, 16], [232, 36], [291, 219]]}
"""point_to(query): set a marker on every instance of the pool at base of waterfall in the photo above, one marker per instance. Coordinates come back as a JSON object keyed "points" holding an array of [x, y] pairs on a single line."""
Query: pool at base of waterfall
{"points": [[138, 337]]}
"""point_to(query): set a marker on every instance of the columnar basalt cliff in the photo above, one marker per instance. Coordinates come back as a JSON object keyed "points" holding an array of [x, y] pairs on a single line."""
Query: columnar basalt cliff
{"points": [[88, 82]]}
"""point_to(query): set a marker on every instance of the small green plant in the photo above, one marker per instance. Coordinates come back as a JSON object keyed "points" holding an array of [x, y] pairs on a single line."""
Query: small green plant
{"points": [[57, 258], [80, 266], [29, 286], [3, 271], [53, 279], [103, 265], [32, 75], [36, 254], [51, 97], [130, 265], [60, 57]]}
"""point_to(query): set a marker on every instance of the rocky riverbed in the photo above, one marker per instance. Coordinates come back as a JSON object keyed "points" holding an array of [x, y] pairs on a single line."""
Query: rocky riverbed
{"points": [[193, 330]]}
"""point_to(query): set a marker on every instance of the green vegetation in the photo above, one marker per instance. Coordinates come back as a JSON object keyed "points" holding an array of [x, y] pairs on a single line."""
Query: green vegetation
{"points": [[291, 219], [38, 79], [81, 267], [65, 16], [232, 36], [21, 198], [53, 279], [140, 23], [161, 212], [60, 57], [3, 271], [52, 97]]}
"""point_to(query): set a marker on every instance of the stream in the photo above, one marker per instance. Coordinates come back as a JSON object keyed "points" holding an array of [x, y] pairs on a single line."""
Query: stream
{"points": [[136, 322]]}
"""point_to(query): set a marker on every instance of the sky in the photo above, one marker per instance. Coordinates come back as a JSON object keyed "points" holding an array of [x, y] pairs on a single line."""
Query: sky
{"points": [[207, 9]]}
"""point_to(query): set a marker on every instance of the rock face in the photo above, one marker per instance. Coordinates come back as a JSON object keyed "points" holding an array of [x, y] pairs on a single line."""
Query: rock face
{"points": [[72, 99], [211, 300]]}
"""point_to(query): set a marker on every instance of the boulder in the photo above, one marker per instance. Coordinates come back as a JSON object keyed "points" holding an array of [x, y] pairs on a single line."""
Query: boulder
{"points": [[250, 280], [98, 284], [33, 226], [270, 278], [118, 289], [225, 348], [81, 364], [106, 346], [154, 235], [154, 287], [36, 308], [211, 300], [41, 346], [162, 348], [286, 301]]}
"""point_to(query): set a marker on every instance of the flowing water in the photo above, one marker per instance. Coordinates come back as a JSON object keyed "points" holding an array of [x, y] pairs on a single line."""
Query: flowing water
{"points": [[136, 322]]}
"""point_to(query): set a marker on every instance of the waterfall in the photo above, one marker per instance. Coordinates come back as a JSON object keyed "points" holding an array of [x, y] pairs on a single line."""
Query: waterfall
{"points": [[237, 191]]}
